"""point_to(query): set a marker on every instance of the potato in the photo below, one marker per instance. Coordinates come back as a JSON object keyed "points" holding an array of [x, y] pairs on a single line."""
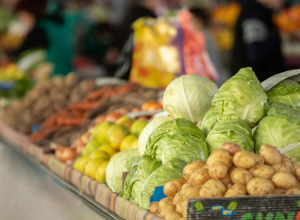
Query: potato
{"points": [[262, 170], [226, 181], [191, 193], [283, 180], [244, 159], [199, 177], [259, 186], [182, 208], [297, 185], [173, 186], [212, 188], [298, 173], [294, 165], [177, 198], [236, 190], [279, 167], [271, 155], [192, 167], [154, 208], [164, 202], [231, 148], [259, 159], [293, 191], [217, 170], [166, 209], [220, 155], [240, 175], [206, 166], [276, 191], [186, 185], [287, 161], [173, 215], [231, 169]]}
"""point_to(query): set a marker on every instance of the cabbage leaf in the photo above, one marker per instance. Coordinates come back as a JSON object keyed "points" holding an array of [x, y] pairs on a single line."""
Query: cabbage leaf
{"points": [[209, 121]]}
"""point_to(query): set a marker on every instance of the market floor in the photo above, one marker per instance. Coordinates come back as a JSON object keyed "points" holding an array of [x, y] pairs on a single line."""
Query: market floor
{"points": [[28, 193]]}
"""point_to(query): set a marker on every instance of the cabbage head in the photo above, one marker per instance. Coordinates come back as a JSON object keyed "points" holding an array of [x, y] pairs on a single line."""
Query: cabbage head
{"points": [[236, 131], [120, 163], [281, 127], [209, 121], [242, 96], [189, 97], [287, 92], [143, 138], [177, 139]]}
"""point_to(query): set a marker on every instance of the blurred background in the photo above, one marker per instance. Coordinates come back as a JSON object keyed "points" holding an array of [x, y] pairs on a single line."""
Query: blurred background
{"points": [[146, 41]]}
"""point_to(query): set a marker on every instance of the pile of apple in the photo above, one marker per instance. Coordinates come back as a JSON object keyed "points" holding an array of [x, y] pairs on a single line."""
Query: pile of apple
{"points": [[104, 141]]}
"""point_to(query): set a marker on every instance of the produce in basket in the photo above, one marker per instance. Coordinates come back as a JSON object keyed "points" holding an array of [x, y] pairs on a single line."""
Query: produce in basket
{"points": [[209, 121]]}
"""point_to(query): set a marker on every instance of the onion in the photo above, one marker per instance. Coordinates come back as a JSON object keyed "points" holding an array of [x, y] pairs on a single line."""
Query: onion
{"points": [[113, 116], [122, 111], [136, 109], [68, 153], [146, 105], [100, 119]]}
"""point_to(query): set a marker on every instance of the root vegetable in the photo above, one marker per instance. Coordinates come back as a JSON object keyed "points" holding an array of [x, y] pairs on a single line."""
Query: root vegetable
{"points": [[240, 175], [173, 186], [164, 202], [262, 170], [244, 159], [217, 170], [192, 167], [298, 173], [220, 155], [212, 188], [166, 209], [271, 155], [259, 186], [259, 159], [154, 208], [199, 177], [173, 215], [231, 148], [283, 168], [294, 165], [191, 193], [236, 190], [182, 208], [226, 181], [283, 180], [276, 191], [293, 191]]}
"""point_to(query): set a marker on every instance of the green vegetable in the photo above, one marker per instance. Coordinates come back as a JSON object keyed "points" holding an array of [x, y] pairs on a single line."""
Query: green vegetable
{"points": [[287, 92], [177, 139], [209, 121], [281, 127], [189, 97], [120, 163], [236, 131], [126, 192], [242, 96]]}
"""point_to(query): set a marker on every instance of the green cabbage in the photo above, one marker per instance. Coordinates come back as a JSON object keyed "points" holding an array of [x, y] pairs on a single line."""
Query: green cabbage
{"points": [[143, 138], [177, 139], [120, 163], [287, 92], [126, 192], [236, 131], [242, 96], [281, 127], [209, 121], [189, 97]]}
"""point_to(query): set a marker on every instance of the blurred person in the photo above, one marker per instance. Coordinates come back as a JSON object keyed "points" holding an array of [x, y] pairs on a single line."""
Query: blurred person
{"points": [[257, 41], [201, 22], [44, 22]]}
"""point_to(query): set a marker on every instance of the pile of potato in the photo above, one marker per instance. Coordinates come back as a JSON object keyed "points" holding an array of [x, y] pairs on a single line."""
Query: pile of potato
{"points": [[230, 172]]}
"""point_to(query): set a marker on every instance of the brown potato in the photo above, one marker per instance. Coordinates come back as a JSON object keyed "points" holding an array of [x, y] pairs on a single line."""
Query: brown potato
{"points": [[240, 175], [206, 166], [244, 159], [231, 148], [262, 170], [192, 167], [154, 208], [182, 208], [259, 159], [276, 191], [279, 167], [164, 202], [293, 191], [236, 190], [294, 165], [173, 215], [297, 184], [173, 186], [298, 172], [217, 170], [231, 169], [283, 180], [287, 161], [226, 181], [166, 209], [191, 193], [220, 155], [179, 196], [186, 185], [271, 155], [199, 177], [259, 186], [213, 188], [183, 218]]}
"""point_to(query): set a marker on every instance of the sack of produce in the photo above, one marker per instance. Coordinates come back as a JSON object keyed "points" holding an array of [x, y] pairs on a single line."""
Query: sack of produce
{"points": [[242, 96], [279, 128], [189, 97], [287, 92], [236, 131], [178, 139], [209, 121]]}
